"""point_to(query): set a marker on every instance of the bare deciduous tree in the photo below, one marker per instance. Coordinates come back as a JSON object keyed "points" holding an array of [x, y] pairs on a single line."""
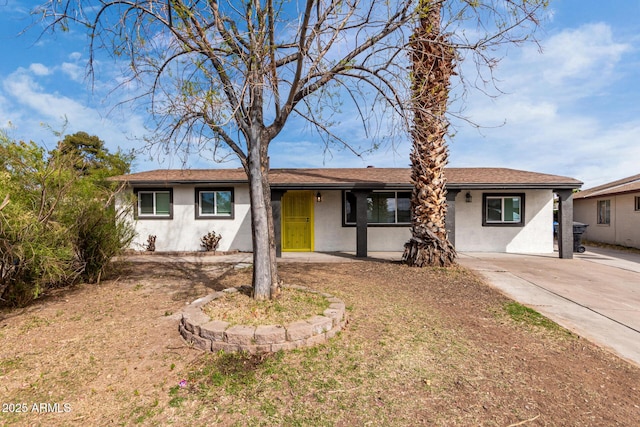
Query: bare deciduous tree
{"points": [[227, 73]]}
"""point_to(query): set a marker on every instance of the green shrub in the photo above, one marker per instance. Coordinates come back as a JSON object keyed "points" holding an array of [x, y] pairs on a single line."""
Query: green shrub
{"points": [[57, 220]]}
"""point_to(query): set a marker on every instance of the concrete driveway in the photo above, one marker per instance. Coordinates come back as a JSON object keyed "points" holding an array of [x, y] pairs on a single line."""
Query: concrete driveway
{"points": [[596, 294]]}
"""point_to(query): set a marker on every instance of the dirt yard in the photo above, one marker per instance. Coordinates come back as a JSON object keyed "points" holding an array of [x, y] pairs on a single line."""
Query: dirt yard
{"points": [[422, 347]]}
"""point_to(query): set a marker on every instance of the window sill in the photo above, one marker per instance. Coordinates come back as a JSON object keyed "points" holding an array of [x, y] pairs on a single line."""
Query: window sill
{"points": [[380, 225], [502, 224], [153, 217], [205, 217]]}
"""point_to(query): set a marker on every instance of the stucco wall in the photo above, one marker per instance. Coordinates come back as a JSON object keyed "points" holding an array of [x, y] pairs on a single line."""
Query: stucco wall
{"points": [[624, 228], [535, 237], [331, 236], [183, 232], [627, 221], [586, 212]]}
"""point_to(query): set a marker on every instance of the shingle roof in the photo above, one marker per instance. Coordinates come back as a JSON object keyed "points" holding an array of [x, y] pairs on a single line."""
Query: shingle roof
{"points": [[630, 184], [357, 177]]}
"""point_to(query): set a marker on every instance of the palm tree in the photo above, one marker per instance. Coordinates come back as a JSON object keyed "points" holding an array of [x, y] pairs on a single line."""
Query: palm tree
{"points": [[432, 60]]}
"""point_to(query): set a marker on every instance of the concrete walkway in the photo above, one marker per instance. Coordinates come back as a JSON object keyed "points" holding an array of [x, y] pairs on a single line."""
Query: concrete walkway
{"points": [[247, 257], [596, 294]]}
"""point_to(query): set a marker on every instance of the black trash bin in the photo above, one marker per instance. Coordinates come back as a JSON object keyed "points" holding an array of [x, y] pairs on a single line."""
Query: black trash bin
{"points": [[578, 229]]}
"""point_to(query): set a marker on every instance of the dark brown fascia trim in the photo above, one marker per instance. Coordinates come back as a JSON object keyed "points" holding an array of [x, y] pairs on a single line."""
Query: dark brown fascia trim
{"points": [[199, 182], [605, 195], [513, 186], [342, 186], [368, 185]]}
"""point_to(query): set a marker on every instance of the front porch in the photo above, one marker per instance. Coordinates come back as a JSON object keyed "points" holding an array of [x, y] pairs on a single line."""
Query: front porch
{"points": [[362, 249]]}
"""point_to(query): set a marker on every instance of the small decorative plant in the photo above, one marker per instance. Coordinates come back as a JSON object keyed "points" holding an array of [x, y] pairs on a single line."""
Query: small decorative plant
{"points": [[210, 241], [151, 244]]}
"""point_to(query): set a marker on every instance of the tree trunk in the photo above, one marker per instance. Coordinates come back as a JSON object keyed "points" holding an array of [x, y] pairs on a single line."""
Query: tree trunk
{"points": [[275, 278], [265, 268], [261, 224], [432, 66]]}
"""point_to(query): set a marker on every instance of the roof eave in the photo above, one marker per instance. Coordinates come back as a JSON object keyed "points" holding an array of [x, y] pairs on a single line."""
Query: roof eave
{"points": [[365, 185], [157, 182], [604, 195], [359, 185], [340, 186], [514, 186]]}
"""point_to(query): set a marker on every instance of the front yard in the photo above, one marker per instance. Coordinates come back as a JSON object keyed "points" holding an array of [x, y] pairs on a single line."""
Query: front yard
{"points": [[430, 347]]}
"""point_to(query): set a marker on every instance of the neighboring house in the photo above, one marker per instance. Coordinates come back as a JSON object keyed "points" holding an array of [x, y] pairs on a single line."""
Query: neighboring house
{"points": [[489, 209], [612, 211]]}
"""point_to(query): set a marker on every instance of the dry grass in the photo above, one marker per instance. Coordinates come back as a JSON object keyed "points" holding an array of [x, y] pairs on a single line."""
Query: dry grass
{"points": [[431, 347], [423, 347], [289, 306], [611, 246]]}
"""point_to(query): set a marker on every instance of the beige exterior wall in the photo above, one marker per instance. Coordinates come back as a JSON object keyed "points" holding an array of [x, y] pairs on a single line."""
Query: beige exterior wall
{"points": [[535, 237], [183, 232], [331, 236], [624, 228]]}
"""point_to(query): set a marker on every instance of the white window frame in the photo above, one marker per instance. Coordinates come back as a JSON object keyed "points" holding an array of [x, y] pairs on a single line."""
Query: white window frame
{"points": [[154, 192], [215, 214], [502, 196]]}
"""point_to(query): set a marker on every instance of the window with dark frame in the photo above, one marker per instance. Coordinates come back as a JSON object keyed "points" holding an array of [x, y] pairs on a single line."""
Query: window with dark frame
{"points": [[154, 203], [214, 203], [637, 203], [604, 212], [502, 209], [383, 208]]}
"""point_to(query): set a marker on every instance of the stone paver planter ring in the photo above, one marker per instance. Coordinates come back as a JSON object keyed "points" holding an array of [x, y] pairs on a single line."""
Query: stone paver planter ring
{"points": [[202, 332]]}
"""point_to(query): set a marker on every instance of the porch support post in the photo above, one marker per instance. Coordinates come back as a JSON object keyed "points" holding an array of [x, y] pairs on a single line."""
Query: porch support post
{"points": [[276, 208], [565, 223], [450, 218], [361, 222]]}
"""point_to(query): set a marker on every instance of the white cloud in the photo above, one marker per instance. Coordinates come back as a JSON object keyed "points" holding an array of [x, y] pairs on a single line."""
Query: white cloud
{"points": [[583, 53], [74, 71], [560, 110], [13, 6], [574, 63], [39, 69], [24, 89], [33, 108]]}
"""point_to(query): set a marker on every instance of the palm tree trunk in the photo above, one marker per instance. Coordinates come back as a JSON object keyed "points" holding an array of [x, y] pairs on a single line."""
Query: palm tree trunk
{"points": [[432, 67]]}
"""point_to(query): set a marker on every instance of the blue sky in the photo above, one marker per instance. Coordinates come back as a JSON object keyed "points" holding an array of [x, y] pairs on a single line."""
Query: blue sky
{"points": [[572, 109]]}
